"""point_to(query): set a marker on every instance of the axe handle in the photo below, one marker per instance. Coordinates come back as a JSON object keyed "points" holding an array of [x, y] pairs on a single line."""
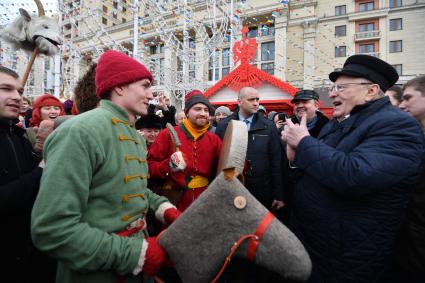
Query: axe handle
{"points": [[174, 136]]}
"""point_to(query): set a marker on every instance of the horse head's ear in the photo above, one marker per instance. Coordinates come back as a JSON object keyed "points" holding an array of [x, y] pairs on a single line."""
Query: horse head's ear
{"points": [[25, 14]]}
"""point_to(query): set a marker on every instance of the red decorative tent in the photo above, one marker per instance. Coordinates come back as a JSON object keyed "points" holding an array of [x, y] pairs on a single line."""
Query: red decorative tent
{"points": [[275, 95]]}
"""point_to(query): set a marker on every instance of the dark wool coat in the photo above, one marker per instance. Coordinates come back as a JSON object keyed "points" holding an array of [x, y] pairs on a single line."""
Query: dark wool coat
{"points": [[350, 202], [263, 177], [19, 184]]}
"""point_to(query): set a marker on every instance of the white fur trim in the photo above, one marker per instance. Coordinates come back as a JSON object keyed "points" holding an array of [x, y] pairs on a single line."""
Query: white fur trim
{"points": [[141, 262], [159, 213]]}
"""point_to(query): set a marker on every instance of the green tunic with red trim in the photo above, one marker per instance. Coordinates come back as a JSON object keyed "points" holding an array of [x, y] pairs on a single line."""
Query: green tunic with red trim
{"points": [[201, 158], [94, 185]]}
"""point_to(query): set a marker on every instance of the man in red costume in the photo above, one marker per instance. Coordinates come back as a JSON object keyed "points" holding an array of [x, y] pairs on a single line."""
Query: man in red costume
{"points": [[194, 164]]}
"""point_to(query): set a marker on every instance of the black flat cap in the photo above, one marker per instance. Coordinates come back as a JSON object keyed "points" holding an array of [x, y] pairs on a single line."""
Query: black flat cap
{"points": [[368, 67], [305, 94]]}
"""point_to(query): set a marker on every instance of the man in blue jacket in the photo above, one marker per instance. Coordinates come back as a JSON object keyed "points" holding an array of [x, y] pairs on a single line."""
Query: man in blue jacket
{"points": [[358, 175]]}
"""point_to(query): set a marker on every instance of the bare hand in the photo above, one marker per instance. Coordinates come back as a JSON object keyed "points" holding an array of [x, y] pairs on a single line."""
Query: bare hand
{"points": [[277, 204], [279, 124], [294, 133], [161, 103]]}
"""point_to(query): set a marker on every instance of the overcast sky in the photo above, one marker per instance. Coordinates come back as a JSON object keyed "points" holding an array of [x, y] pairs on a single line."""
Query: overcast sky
{"points": [[9, 9]]}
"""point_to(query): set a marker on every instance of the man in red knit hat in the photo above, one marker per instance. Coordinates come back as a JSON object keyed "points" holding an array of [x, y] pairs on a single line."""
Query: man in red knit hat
{"points": [[193, 166], [91, 211]]}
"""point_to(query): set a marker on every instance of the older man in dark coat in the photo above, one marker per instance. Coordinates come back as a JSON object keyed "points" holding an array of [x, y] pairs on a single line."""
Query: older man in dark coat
{"points": [[358, 175]]}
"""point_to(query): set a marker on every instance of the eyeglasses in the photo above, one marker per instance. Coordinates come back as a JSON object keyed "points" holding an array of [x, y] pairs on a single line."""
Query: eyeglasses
{"points": [[342, 87]]}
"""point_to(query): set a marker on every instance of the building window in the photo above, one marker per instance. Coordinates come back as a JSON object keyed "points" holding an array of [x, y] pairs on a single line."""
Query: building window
{"points": [[366, 27], [115, 4], [340, 31], [340, 51], [115, 14], [395, 3], [396, 46], [124, 20], [399, 69], [366, 48], [225, 71], [340, 10], [396, 24], [213, 66], [104, 9], [225, 62], [268, 67], [267, 57], [267, 30], [267, 51], [253, 32], [124, 9], [104, 21], [368, 6]]}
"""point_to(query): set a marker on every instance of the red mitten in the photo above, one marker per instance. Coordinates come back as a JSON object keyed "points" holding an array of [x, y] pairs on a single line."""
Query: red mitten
{"points": [[171, 214], [154, 258]]}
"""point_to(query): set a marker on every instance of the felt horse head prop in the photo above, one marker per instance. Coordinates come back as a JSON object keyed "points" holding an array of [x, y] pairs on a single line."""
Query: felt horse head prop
{"points": [[36, 34], [223, 217], [28, 32]]}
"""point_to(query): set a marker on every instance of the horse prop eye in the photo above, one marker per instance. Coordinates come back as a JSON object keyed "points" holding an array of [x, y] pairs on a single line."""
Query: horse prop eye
{"points": [[46, 26]]}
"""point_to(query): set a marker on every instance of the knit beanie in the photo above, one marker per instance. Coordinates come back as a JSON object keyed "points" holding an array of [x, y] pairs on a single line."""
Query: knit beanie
{"points": [[44, 100], [223, 109], [116, 69], [192, 99]]}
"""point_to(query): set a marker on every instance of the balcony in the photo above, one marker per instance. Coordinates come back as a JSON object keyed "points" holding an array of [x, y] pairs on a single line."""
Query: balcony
{"points": [[367, 35], [374, 54]]}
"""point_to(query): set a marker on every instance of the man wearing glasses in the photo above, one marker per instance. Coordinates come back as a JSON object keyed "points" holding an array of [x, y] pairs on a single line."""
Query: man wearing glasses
{"points": [[358, 175]]}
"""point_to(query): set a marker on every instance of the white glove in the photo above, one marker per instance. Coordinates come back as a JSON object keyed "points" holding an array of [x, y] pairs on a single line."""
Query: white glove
{"points": [[177, 162]]}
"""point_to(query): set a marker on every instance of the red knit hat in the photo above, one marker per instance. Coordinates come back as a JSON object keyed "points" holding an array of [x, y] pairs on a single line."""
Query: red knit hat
{"points": [[116, 69], [44, 100]]}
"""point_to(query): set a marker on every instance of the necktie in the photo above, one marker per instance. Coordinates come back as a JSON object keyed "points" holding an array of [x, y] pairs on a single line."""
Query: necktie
{"points": [[247, 123]]}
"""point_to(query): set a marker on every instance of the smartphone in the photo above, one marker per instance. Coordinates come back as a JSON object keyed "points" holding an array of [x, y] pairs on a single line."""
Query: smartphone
{"points": [[154, 101], [281, 117]]}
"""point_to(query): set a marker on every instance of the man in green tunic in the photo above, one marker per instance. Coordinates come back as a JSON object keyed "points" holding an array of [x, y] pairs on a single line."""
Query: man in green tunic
{"points": [[91, 209]]}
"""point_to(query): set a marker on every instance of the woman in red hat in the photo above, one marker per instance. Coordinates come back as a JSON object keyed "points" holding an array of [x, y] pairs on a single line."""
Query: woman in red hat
{"points": [[46, 108]]}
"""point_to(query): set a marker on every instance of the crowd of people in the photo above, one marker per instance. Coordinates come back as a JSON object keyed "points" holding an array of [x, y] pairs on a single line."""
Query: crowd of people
{"points": [[89, 183]]}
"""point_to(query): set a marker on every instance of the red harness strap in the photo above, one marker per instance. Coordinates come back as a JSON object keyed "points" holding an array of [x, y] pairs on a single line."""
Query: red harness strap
{"points": [[261, 229]]}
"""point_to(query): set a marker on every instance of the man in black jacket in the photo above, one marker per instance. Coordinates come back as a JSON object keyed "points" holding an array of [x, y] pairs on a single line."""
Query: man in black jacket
{"points": [[305, 102], [20, 173]]}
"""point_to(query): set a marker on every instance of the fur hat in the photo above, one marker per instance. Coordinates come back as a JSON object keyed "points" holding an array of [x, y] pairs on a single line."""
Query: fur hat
{"points": [[195, 97], [368, 67], [44, 100], [116, 69], [150, 121]]}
